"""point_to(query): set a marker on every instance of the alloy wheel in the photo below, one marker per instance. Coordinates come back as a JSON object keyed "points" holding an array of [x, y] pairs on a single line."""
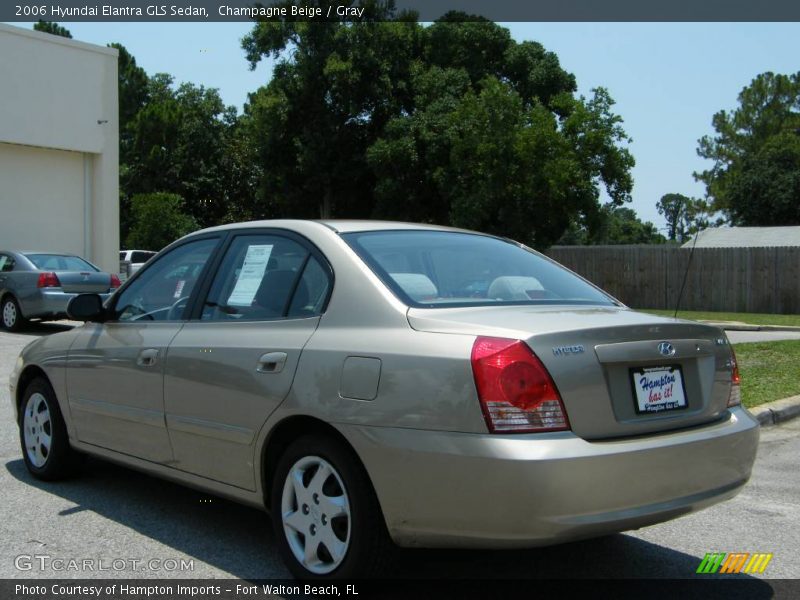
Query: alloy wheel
{"points": [[315, 511], [9, 314], [38, 429]]}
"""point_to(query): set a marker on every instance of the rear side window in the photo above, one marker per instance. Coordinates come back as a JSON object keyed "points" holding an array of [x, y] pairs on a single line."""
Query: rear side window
{"points": [[442, 268], [6, 263], [312, 290], [59, 262], [265, 277]]}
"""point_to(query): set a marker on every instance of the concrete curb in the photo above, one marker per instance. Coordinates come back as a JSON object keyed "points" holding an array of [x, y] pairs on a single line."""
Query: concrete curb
{"points": [[776, 412], [778, 328], [738, 326]]}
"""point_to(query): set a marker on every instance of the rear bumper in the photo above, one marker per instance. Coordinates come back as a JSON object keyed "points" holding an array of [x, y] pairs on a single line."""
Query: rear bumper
{"points": [[440, 489], [47, 303]]}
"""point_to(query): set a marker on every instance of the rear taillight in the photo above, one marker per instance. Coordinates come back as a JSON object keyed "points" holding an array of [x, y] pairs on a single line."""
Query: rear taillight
{"points": [[735, 396], [115, 282], [48, 280], [516, 392]]}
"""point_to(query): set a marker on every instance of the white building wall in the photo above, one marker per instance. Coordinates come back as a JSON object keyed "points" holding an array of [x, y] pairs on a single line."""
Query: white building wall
{"points": [[59, 146], [42, 194]]}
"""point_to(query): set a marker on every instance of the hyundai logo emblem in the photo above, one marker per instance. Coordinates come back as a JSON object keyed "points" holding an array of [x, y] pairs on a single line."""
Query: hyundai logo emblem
{"points": [[666, 349]]}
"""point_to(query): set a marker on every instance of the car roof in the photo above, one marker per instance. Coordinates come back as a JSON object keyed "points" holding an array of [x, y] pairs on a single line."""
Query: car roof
{"points": [[337, 225], [355, 225], [49, 253]]}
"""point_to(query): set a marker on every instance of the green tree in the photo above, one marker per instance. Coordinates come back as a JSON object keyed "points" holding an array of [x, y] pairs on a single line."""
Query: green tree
{"points": [[179, 140], [509, 150], [452, 123], [760, 129], [766, 189], [158, 219], [334, 86], [132, 86], [616, 225], [52, 27], [685, 216], [623, 226]]}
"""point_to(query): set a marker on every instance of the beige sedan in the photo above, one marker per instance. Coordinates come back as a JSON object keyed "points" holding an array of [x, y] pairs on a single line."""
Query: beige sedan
{"points": [[377, 384]]}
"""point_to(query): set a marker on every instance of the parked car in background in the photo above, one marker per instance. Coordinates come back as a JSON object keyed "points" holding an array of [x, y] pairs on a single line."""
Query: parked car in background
{"points": [[373, 383], [39, 285], [136, 258]]}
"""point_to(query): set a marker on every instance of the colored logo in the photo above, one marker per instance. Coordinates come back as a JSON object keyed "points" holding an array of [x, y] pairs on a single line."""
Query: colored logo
{"points": [[734, 562]]}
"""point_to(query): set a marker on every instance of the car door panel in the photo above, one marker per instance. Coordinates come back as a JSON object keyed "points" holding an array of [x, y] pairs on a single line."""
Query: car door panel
{"points": [[115, 370], [116, 399], [229, 369], [219, 391]]}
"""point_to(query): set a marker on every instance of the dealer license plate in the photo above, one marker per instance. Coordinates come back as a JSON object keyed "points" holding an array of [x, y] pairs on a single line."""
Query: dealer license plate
{"points": [[658, 389]]}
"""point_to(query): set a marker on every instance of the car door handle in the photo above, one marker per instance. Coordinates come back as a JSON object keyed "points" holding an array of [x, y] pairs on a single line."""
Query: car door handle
{"points": [[147, 358], [271, 362]]}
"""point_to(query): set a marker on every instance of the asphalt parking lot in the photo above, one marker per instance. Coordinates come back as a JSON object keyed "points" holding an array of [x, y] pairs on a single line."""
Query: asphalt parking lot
{"points": [[138, 526]]}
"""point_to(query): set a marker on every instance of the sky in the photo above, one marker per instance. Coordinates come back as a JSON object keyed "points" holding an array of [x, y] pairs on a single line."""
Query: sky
{"points": [[668, 79]]}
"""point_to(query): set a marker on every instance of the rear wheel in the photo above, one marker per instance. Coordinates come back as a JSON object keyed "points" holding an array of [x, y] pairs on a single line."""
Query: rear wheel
{"points": [[325, 513], [43, 435], [11, 315]]}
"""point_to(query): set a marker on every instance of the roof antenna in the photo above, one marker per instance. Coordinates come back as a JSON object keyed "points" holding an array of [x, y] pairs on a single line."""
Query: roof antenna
{"points": [[686, 274]]}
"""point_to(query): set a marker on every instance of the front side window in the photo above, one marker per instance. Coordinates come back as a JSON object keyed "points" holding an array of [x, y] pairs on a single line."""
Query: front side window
{"points": [[59, 262], [162, 291], [265, 277], [434, 269]]}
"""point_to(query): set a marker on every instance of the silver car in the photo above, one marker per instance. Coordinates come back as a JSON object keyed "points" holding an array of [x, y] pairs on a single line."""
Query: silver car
{"points": [[375, 384], [39, 285]]}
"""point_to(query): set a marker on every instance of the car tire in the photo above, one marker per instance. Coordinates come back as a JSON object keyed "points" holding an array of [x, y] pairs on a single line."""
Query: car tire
{"points": [[43, 435], [11, 315], [315, 476]]}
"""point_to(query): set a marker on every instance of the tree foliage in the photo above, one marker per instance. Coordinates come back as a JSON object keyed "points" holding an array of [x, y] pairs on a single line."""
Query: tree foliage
{"points": [[158, 219], [766, 190], [52, 28], [333, 89], [133, 87], [615, 225], [755, 171], [182, 140], [684, 216], [179, 140], [452, 123]]}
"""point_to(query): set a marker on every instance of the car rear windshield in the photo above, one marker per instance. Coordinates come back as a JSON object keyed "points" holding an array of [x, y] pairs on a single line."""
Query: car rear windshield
{"points": [[59, 262], [433, 269]]}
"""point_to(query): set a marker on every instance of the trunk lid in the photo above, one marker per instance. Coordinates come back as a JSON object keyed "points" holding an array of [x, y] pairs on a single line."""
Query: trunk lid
{"points": [[599, 356], [84, 282]]}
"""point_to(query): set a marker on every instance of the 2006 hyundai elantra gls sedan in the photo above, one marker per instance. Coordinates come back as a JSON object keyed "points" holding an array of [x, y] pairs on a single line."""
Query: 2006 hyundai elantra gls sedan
{"points": [[374, 384]]}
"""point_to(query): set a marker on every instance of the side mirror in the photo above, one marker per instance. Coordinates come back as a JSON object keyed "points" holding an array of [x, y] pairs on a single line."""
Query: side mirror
{"points": [[85, 307]]}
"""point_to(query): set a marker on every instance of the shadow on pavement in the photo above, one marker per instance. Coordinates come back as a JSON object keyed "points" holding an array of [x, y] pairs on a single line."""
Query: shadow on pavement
{"points": [[40, 329], [240, 540]]}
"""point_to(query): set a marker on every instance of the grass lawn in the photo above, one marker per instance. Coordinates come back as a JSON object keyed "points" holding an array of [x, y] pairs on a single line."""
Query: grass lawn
{"points": [[750, 318], [768, 370]]}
